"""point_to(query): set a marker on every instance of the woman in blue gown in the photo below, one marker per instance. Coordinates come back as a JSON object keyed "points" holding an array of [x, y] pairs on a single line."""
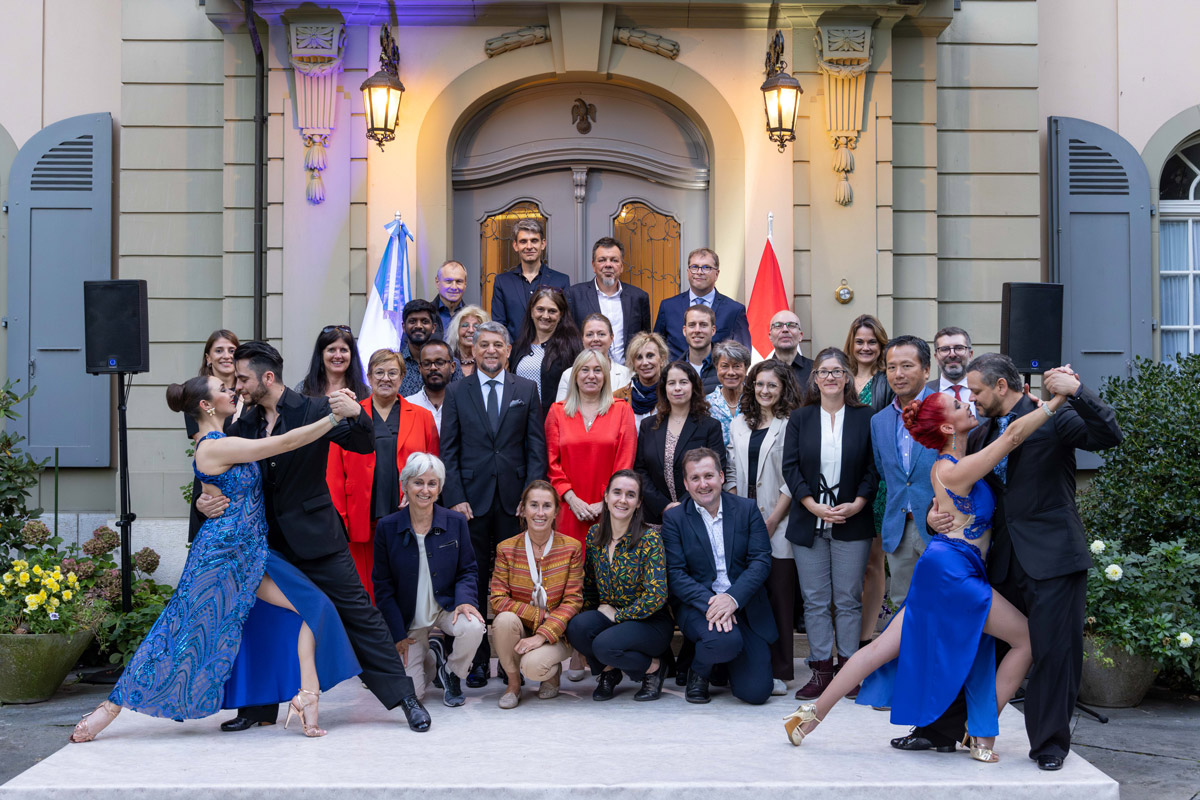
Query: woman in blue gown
{"points": [[942, 641], [243, 626]]}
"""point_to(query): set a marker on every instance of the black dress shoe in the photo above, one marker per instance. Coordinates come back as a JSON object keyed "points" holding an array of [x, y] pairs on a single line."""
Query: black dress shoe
{"points": [[242, 723], [477, 678], [915, 742], [651, 686], [418, 718], [606, 683], [1050, 763], [719, 676], [697, 689]]}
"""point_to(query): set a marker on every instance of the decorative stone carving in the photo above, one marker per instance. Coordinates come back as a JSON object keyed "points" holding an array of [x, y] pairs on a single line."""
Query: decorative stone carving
{"points": [[579, 178], [644, 40], [843, 55], [316, 48], [515, 40], [583, 114]]}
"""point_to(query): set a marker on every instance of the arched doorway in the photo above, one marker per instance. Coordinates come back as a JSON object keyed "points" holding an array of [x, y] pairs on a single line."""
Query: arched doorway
{"points": [[588, 160]]}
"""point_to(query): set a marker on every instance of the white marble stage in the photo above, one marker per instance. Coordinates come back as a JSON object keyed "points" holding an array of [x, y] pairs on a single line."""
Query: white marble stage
{"points": [[542, 749]]}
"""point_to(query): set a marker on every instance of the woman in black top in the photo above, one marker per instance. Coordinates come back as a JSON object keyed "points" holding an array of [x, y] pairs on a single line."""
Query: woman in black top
{"points": [[217, 363], [547, 344], [335, 365]]}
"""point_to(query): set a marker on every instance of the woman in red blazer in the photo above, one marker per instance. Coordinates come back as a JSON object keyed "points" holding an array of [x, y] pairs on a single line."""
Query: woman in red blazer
{"points": [[366, 487]]}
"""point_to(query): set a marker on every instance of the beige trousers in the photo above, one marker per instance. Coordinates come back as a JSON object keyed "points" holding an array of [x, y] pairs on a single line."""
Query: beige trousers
{"points": [[542, 664], [467, 633]]}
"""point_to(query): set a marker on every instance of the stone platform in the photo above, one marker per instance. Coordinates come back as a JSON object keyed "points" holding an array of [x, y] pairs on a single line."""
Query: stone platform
{"points": [[544, 749]]}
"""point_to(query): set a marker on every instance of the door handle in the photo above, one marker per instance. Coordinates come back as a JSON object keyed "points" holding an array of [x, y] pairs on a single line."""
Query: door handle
{"points": [[32, 367]]}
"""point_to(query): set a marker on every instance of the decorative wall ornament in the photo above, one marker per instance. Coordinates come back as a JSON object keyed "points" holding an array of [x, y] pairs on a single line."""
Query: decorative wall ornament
{"points": [[579, 178], [583, 114], [644, 40], [316, 49], [843, 56], [515, 40]]}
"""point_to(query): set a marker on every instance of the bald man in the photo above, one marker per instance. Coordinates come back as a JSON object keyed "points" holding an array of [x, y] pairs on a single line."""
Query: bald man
{"points": [[785, 334]]}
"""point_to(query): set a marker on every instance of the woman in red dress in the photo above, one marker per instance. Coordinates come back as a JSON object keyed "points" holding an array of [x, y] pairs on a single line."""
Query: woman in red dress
{"points": [[366, 486]]}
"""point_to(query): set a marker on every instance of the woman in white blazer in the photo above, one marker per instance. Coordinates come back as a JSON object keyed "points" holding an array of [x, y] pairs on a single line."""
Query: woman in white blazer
{"points": [[756, 471]]}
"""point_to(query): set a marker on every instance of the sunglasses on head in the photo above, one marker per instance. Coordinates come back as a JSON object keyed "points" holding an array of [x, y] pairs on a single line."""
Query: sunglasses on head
{"points": [[345, 328]]}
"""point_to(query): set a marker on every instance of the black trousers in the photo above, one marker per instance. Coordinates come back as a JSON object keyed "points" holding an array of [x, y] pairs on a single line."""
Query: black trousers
{"points": [[1056, 608], [628, 646], [383, 671], [781, 594], [745, 654], [487, 531]]}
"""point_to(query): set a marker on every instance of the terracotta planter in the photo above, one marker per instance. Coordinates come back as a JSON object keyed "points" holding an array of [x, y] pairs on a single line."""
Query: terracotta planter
{"points": [[1121, 685], [33, 665]]}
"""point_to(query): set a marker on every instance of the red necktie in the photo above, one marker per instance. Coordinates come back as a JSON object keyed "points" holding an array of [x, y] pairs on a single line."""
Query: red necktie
{"points": [[956, 387]]}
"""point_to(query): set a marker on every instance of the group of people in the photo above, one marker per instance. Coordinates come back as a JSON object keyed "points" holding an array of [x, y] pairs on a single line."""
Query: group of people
{"points": [[585, 486]]}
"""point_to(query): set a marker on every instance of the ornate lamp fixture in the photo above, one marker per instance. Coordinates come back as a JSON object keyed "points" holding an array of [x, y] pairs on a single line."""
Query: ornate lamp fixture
{"points": [[382, 92], [781, 96]]}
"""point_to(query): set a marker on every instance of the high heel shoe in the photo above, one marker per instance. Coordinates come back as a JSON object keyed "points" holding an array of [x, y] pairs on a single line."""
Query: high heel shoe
{"points": [[298, 707], [981, 753], [801, 716], [83, 731]]}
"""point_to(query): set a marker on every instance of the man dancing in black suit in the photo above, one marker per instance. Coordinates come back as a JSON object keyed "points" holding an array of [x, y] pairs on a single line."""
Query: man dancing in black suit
{"points": [[304, 527]]}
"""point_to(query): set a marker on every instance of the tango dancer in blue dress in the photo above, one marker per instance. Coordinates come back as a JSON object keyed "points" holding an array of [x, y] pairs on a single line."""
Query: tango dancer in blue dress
{"points": [[942, 641], [244, 625]]}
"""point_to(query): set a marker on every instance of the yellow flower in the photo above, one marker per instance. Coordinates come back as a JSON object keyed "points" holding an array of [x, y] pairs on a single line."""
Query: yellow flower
{"points": [[51, 584], [32, 601], [3, 591], [20, 565], [42, 595], [37, 569], [57, 574], [23, 578], [54, 602], [8, 577], [67, 594], [72, 579]]}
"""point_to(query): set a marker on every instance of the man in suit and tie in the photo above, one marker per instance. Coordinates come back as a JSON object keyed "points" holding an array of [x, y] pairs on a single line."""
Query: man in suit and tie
{"points": [[1039, 557], [627, 307], [511, 290], [493, 443], [702, 271], [903, 464], [952, 349], [305, 528], [718, 559], [786, 333]]}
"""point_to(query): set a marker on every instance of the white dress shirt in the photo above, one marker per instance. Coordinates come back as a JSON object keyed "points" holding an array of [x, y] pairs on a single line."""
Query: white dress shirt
{"points": [[610, 306], [945, 386], [485, 390], [421, 399], [716, 539], [831, 453]]}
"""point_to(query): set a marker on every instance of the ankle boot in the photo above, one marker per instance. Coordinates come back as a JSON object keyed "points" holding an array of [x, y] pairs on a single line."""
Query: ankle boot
{"points": [[822, 674], [837, 667]]}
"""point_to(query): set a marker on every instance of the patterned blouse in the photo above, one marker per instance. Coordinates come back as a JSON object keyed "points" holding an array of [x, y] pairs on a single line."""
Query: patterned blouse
{"points": [[880, 493], [718, 409], [669, 458], [530, 367], [634, 583], [562, 578]]}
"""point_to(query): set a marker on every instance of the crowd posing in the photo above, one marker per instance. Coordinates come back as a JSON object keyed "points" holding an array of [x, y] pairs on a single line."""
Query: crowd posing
{"points": [[586, 486]]}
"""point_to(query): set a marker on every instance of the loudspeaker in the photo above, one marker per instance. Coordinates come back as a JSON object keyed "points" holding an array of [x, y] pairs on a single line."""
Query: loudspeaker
{"points": [[116, 327], [1031, 323]]}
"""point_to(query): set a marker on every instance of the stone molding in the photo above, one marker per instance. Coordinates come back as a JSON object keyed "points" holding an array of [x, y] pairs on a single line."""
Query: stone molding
{"points": [[515, 40], [316, 50], [644, 40], [843, 52]]}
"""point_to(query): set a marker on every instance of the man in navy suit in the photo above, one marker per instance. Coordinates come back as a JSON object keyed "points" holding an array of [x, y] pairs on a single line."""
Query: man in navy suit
{"points": [[511, 290], [627, 307], [493, 443], [703, 269], [718, 559]]}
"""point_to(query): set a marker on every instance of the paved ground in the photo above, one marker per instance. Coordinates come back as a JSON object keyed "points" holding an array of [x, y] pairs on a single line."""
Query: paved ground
{"points": [[1152, 750]]}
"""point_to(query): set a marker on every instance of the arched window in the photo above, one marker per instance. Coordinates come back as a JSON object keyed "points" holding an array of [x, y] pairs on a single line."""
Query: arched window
{"points": [[495, 245], [1179, 251], [651, 242]]}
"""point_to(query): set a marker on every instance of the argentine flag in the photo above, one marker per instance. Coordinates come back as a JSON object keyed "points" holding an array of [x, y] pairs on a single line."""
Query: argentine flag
{"points": [[381, 325]]}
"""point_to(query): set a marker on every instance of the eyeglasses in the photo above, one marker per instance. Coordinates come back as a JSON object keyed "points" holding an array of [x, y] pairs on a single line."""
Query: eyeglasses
{"points": [[831, 373], [701, 268], [345, 328], [957, 349], [791, 326], [391, 374], [438, 364]]}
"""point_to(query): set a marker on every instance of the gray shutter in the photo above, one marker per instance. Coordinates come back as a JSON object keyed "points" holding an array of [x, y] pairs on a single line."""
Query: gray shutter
{"points": [[1100, 249], [60, 235]]}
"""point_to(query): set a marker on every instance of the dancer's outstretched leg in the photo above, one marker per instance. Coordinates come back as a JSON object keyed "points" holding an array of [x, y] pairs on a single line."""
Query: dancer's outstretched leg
{"points": [[305, 702], [1006, 623]]}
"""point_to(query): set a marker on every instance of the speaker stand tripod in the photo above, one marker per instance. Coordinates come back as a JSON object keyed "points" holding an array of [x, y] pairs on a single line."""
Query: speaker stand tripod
{"points": [[125, 522]]}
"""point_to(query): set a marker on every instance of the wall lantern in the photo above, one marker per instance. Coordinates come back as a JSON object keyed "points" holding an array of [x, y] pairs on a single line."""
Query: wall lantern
{"points": [[382, 92], [781, 96]]}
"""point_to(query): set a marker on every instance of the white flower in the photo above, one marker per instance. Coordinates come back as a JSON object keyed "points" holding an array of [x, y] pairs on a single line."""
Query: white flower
{"points": [[1113, 572], [1185, 639], [1098, 547]]}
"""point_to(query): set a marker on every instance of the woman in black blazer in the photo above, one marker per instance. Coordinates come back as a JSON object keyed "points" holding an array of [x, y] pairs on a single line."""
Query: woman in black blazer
{"points": [[829, 467], [547, 344], [681, 423]]}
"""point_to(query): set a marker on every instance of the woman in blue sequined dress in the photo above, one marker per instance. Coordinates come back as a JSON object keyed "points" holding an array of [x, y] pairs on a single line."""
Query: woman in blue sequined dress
{"points": [[942, 641], [215, 645]]}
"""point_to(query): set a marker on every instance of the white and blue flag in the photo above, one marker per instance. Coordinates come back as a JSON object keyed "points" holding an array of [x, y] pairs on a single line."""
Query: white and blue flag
{"points": [[381, 326]]}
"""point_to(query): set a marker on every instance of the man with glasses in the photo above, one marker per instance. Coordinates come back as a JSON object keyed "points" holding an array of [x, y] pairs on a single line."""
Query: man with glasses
{"points": [[437, 368], [419, 321], [952, 349], [785, 334], [702, 271], [511, 290]]}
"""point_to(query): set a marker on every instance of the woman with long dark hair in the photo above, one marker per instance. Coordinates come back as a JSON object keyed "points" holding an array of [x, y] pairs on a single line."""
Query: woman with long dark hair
{"points": [[335, 364], [547, 344], [217, 362]]}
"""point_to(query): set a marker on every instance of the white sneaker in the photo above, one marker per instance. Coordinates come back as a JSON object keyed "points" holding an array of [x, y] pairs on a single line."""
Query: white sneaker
{"points": [[778, 687], [575, 675]]}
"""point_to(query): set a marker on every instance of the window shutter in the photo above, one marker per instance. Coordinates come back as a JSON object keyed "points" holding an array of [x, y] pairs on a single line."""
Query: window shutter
{"points": [[60, 235]]}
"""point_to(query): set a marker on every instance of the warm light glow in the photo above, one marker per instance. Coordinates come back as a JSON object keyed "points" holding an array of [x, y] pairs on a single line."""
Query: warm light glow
{"points": [[381, 100], [781, 97]]}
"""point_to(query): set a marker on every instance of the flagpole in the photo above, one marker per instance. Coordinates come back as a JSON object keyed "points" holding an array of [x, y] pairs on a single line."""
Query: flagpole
{"points": [[770, 227]]}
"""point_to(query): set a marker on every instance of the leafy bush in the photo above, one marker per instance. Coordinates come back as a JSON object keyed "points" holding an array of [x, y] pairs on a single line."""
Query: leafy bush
{"points": [[18, 474]]}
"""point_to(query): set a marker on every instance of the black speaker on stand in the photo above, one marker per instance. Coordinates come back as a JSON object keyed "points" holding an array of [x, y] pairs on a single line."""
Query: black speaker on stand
{"points": [[1031, 320], [117, 342]]}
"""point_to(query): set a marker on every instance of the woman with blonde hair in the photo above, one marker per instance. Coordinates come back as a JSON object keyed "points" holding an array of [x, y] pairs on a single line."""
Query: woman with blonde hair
{"points": [[647, 356], [460, 336]]}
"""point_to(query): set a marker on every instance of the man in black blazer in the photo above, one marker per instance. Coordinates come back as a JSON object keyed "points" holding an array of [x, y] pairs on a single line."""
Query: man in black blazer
{"points": [[786, 332], [718, 558], [304, 527], [511, 290], [493, 442], [627, 307], [703, 269], [1039, 556]]}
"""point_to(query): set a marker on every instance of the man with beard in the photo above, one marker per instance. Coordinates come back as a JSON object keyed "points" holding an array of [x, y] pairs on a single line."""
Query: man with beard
{"points": [[419, 320], [627, 307], [437, 367], [786, 333], [952, 349]]}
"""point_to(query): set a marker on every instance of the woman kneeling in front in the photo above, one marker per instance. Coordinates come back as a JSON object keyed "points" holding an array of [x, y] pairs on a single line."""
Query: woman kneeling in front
{"points": [[425, 576], [537, 587]]}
